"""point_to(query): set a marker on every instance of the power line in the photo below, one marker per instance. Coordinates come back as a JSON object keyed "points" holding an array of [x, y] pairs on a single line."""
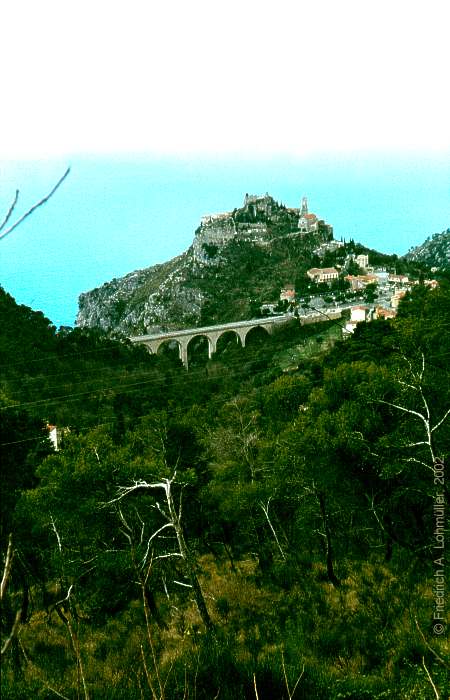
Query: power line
{"points": [[190, 377], [118, 388]]}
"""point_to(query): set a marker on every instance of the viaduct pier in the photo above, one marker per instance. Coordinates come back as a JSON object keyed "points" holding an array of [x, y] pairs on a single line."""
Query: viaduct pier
{"points": [[212, 333]]}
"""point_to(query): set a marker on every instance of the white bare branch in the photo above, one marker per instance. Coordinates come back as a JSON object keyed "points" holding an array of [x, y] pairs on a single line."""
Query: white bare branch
{"points": [[180, 583], [425, 403], [430, 679], [13, 633], [161, 510], [415, 444], [7, 567], [124, 522], [168, 556], [173, 519], [64, 600], [10, 211], [56, 533], [417, 461], [163, 527], [290, 694], [445, 416], [409, 386], [126, 535], [141, 538], [141, 484], [439, 658], [377, 518], [31, 210], [403, 408], [265, 510]]}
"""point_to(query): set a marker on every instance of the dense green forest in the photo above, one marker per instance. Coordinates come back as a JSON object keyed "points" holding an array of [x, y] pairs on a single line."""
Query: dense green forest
{"points": [[235, 531]]}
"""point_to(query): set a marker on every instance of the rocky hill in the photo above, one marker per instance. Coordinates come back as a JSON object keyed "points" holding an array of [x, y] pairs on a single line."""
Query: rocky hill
{"points": [[237, 261], [435, 251]]}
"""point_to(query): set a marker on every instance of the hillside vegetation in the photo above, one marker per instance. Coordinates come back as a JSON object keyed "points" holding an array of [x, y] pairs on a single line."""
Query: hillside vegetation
{"points": [[434, 252], [230, 532]]}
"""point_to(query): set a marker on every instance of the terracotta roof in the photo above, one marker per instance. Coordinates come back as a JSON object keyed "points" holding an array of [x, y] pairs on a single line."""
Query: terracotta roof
{"points": [[388, 313]]}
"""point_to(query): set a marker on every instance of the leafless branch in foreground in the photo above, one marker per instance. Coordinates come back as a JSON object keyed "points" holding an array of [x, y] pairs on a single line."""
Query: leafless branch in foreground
{"points": [[7, 567], [28, 213], [10, 211], [12, 634], [430, 679]]}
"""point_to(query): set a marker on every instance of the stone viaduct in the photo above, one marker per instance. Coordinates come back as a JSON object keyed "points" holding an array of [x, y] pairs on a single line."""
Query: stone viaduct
{"points": [[211, 333]]}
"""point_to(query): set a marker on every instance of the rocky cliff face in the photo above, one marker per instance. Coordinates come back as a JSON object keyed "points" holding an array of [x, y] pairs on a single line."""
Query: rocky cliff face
{"points": [[435, 251], [258, 221], [232, 249], [145, 300]]}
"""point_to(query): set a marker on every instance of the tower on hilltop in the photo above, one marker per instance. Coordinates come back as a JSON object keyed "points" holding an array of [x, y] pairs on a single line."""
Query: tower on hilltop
{"points": [[307, 223]]}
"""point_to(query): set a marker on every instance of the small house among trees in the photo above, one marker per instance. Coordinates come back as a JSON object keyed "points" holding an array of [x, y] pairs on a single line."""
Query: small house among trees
{"points": [[288, 293]]}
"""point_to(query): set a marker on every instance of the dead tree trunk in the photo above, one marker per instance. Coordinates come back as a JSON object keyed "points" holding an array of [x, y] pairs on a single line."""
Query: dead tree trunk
{"points": [[328, 546], [173, 519]]}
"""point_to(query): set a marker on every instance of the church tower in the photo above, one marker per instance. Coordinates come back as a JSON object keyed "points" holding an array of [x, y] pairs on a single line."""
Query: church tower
{"points": [[304, 206]]}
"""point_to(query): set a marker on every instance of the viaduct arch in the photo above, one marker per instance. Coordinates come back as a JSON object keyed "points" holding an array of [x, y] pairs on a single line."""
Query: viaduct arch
{"points": [[211, 333]]}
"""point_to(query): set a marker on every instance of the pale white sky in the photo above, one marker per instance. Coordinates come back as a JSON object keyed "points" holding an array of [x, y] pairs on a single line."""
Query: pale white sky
{"points": [[208, 77]]}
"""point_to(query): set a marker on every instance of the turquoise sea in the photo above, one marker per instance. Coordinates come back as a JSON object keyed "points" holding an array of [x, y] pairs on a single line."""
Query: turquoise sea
{"points": [[114, 215]]}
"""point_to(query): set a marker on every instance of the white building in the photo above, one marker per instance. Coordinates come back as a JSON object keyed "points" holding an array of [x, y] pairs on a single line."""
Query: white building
{"points": [[307, 223], [362, 261], [54, 436], [358, 314], [323, 274]]}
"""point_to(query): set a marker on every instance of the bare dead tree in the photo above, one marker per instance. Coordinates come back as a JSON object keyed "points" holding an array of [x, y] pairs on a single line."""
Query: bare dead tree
{"points": [[289, 691], [5, 230], [421, 414], [21, 613], [265, 509], [7, 567], [329, 554], [59, 606], [173, 517], [4, 584]]}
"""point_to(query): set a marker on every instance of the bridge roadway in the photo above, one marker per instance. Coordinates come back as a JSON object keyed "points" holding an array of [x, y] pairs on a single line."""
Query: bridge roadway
{"points": [[212, 333]]}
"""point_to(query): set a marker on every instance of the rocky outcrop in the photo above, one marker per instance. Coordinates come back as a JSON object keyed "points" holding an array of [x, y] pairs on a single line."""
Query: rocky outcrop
{"points": [[175, 293], [143, 301], [435, 251]]}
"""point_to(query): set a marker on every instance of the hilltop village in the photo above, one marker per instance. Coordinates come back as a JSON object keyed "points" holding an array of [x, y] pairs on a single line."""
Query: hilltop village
{"points": [[330, 289], [258, 222], [352, 286], [260, 259]]}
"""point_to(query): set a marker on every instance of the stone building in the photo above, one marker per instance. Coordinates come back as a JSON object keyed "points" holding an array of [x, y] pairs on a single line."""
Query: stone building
{"points": [[323, 274], [307, 223], [255, 222]]}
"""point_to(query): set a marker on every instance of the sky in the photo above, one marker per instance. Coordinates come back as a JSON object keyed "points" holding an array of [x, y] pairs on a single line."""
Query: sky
{"points": [[177, 77], [167, 111]]}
